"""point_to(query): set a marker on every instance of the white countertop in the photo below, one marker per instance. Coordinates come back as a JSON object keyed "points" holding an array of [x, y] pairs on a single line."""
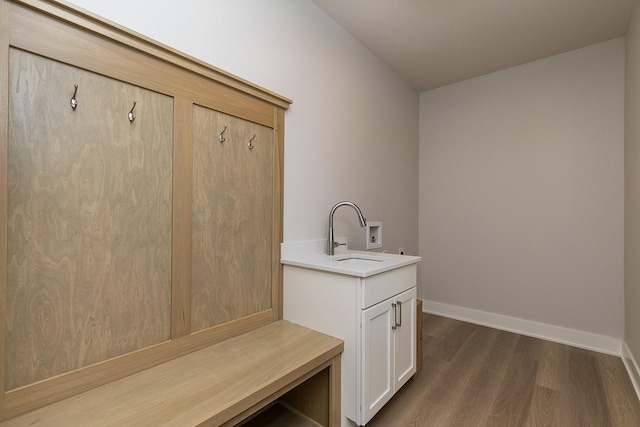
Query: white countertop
{"points": [[311, 254]]}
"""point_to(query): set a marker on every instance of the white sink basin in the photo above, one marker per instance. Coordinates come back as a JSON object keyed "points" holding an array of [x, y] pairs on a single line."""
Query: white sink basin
{"points": [[311, 254], [358, 258]]}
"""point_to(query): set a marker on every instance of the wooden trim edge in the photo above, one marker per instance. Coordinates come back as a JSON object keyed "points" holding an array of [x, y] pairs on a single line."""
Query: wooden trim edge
{"points": [[4, 178], [282, 391], [78, 17], [49, 391]]}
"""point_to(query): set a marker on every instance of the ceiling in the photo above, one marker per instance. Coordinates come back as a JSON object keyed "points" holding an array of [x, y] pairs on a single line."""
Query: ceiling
{"points": [[433, 43]]}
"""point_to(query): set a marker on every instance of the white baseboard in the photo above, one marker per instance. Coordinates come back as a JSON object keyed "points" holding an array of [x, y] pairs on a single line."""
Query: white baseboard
{"points": [[632, 367], [572, 337]]}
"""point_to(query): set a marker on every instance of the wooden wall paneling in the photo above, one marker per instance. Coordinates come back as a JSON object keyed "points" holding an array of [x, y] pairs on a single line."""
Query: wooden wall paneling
{"points": [[241, 106], [43, 393], [33, 32], [232, 219], [209, 127], [4, 143], [182, 200], [57, 31], [278, 193], [69, 14], [257, 248], [89, 219], [311, 398]]}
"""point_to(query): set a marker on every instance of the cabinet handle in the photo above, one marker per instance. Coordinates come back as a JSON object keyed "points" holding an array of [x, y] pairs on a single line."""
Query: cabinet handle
{"points": [[395, 315], [399, 324]]}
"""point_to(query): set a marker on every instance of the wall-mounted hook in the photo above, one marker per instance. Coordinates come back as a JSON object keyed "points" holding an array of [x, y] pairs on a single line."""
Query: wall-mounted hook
{"points": [[74, 101], [132, 116], [221, 136], [250, 144]]}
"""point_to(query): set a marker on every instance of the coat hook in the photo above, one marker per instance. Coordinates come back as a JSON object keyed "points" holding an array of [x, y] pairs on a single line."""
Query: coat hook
{"points": [[74, 101], [221, 136], [132, 116], [250, 144]]}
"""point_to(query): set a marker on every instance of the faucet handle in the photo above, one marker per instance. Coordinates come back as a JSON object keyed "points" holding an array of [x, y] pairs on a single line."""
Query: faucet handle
{"points": [[336, 244]]}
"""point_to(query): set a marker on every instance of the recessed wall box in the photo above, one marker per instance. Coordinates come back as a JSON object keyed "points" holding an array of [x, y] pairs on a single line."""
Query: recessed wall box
{"points": [[374, 235]]}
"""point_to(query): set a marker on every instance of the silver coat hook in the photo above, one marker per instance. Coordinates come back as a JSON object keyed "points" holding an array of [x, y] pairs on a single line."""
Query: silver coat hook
{"points": [[74, 101], [250, 144], [221, 136], [132, 116]]}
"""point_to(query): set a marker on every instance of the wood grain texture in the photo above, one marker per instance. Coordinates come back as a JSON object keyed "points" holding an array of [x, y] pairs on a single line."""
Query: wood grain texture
{"points": [[474, 402], [513, 401], [474, 376], [89, 220], [56, 30], [621, 410], [335, 390], [588, 390], [57, 388], [182, 193], [307, 404], [279, 415], [278, 195], [208, 387], [545, 408], [232, 219], [311, 398], [161, 70], [4, 144]]}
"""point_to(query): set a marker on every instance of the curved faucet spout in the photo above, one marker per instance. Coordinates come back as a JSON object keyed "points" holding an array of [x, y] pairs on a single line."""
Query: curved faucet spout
{"points": [[331, 244]]}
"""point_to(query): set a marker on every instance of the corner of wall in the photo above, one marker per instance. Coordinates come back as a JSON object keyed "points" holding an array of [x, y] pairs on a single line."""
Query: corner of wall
{"points": [[572, 337], [632, 367], [632, 200]]}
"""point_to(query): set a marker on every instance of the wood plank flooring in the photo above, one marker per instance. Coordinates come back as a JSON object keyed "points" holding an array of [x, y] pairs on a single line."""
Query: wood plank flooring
{"points": [[478, 376]]}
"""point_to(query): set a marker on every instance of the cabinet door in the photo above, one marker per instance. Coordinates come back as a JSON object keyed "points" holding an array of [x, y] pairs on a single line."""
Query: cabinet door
{"points": [[405, 337], [377, 359]]}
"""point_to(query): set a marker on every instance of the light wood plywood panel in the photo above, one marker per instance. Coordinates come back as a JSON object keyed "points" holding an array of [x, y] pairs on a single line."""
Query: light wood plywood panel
{"points": [[68, 215], [216, 386], [89, 219], [232, 219]]}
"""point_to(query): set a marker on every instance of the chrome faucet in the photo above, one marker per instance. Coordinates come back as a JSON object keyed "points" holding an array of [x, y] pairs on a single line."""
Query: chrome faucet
{"points": [[331, 243]]}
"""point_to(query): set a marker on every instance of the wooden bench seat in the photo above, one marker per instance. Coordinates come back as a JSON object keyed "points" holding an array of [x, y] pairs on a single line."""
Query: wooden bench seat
{"points": [[219, 385]]}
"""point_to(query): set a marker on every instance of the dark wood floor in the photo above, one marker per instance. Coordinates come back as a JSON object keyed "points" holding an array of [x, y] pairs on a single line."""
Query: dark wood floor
{"points": [[478, 376]]}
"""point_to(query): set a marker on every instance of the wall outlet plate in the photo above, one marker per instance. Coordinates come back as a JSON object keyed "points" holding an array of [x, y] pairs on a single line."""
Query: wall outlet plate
{"points": [[374, 235]]}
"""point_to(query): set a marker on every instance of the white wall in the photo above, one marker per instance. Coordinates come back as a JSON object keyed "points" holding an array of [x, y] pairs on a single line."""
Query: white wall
{"points": [[521, 191], [632, 191], [352, 131]]}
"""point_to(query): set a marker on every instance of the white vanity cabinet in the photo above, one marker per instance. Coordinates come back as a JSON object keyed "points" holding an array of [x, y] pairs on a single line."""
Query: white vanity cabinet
{"points": [[374, 315], [389, 352]]}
